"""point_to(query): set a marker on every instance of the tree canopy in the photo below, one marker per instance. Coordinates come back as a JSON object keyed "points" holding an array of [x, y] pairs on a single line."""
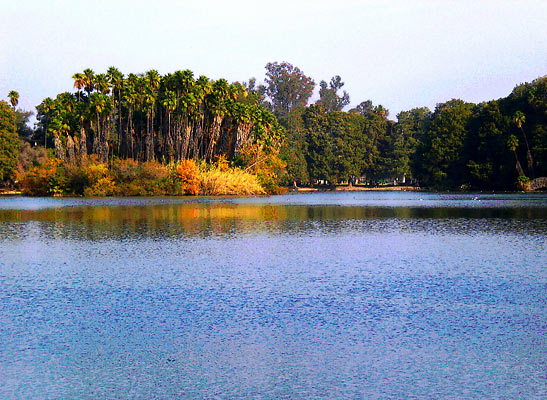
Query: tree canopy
{"points": [[153, 117], [9, 142]]}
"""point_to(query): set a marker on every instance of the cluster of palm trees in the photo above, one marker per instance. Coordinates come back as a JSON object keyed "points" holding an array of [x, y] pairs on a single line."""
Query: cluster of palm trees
{"points": [[153, 117]]}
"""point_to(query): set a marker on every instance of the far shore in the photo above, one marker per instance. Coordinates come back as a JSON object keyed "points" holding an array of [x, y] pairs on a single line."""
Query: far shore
{"points": [[339, 188], [356, 188]]}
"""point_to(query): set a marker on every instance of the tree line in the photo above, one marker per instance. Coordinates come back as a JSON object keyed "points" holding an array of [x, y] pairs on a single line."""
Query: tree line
{"points": [[145, 117], [150, 116], [494, 145]]}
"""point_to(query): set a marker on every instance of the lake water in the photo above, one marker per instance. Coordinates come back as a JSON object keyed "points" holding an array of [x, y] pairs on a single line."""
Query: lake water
{"points": [[369, 295]]}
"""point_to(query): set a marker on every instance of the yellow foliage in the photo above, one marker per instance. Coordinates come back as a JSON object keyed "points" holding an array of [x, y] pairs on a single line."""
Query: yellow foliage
{"points": [[102, 187], [222, 163], [188, 173], [215, 182], [43, 179], [267, 166]]}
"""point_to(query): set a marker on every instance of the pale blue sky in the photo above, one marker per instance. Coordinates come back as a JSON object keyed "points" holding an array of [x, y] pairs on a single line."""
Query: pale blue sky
{"points": [[401, 54]]}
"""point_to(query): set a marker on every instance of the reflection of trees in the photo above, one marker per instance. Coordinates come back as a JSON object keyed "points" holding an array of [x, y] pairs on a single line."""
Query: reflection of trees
{"points": [[227, 220]]}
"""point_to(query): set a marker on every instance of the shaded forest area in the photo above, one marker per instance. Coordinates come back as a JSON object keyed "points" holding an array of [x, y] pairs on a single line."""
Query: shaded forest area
{"points": [[272, 131]]}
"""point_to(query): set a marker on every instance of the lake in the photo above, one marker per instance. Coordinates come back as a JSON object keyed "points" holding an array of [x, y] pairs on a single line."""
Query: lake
{"points": [[359, 295]]}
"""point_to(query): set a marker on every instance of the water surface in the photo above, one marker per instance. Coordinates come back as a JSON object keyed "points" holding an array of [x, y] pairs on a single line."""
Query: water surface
{"points": [[367, 295]]}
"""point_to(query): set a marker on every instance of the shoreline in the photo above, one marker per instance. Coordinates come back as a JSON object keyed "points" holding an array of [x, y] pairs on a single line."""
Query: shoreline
{"points": [[357, 188], [344, 188]]}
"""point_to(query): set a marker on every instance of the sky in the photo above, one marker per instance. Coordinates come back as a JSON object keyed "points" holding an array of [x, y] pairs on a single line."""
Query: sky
{"points": [[401, 54]]}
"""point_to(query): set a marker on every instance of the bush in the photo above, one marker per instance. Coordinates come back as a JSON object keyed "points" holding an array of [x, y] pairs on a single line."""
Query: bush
{"points": [[215, 182], [99, 182], [267, 166], [523, 183], [47, 179], [188, 174], [130, 178], [104, 186]]}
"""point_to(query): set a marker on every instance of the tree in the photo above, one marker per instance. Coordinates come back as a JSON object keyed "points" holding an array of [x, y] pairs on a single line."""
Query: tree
{"points": [[9, 142], [408, 133], [88, 80], [519, 119], [442, 163], [13, 98], [287, 87], [328, 95], [488, 163], [294, 148], [79, 82], [117, 82], [365, 108], [21, 121]]}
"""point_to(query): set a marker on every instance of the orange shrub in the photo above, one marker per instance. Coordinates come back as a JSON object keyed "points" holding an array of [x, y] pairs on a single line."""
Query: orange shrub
{"points": [[188, 173], [46, 179]]}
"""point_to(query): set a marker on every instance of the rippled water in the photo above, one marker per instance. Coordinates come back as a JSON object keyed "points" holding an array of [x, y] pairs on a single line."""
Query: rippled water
{"points": [[324, 295]]}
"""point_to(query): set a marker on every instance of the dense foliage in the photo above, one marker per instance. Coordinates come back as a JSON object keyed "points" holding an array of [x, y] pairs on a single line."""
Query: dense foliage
{"points": [[127, 177], [114, 131], [495, 145], [9, 142], [150, 117]]}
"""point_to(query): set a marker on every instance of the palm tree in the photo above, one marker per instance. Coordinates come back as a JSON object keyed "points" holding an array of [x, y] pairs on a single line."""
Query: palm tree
{"points": [[152, 85], [100, 104], [13, 98], [200, 90], [519, 119], [512, 144], [215, 102], [116, 80], [130, 99], [48, 106], [102, 83], [170, 103], [89, 80], [82, 111], [79, 82]]}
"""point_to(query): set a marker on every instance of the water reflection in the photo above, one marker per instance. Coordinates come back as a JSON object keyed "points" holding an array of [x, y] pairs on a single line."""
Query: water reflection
{"points": [[225, 219], [267, 298]]}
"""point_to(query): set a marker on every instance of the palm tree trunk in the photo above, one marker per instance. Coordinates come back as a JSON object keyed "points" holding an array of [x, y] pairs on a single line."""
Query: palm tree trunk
{"points": [[529, 159]]}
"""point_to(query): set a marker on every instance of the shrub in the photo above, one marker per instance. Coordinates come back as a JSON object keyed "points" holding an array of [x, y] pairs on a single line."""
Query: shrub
{"points": [[125, 170], [267, 166], [28, 157], [104, 186], [99, 182], [188, 174], [47, 179], [234, 181], [523, 183]]}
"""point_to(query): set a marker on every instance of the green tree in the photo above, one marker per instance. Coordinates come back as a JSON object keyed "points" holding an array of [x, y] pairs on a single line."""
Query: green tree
{"points": [[408, 133], [294, 148], [442, 163], [485, 149], [287, 87], [21, 120], [9, 142], [329, 98]]}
